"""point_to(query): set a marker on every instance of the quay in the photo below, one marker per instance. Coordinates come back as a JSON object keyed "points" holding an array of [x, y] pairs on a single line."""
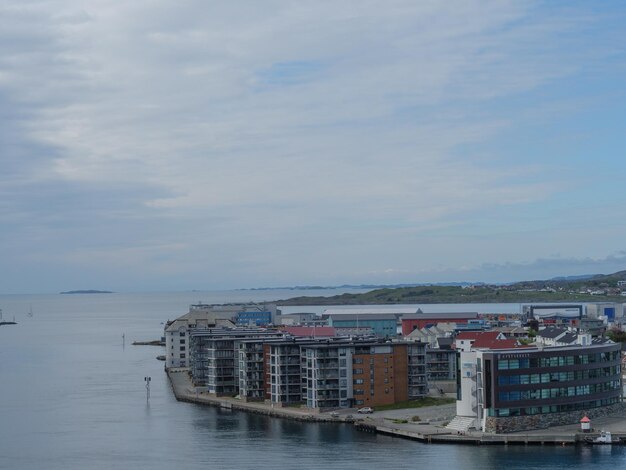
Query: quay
{"points": [[430, 429], [184, 391]]}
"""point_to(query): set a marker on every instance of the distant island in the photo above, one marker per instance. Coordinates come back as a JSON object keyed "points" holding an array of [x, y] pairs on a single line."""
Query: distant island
{"points": [[90, 291], [357, 286], [587, 288]]}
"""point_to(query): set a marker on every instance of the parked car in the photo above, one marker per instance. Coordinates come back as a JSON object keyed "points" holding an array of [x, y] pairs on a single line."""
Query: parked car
{"points": [[334, 414], [365, 410]]}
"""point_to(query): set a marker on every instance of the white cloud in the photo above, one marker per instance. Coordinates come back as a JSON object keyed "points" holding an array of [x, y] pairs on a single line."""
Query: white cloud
{"points": [[319, 122]]}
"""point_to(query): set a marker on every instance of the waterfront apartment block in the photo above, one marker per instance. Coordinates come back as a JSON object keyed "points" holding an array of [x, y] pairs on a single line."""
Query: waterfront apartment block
{"points": [[215, 358], [252, 365], [363, 374], [203, 316], [286, 384], [320, 373], [507, 390], [440, 365]]}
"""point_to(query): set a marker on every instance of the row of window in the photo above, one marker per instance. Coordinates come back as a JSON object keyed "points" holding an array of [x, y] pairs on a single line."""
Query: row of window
{"points": [[360, 371], [534, 410], [545, 393], [558, 376], [359, 360], [557, 361]]}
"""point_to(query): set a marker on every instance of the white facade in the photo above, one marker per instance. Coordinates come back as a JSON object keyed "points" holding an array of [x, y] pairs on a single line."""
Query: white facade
{"points": [[468, 406], [177, 347], [177, 334]]}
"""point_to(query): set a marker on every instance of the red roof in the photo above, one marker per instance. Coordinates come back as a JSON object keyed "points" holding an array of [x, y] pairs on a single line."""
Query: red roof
{"points": [[495, 343], [488, 340], [492, 335], [316, 331], [585, 420]]}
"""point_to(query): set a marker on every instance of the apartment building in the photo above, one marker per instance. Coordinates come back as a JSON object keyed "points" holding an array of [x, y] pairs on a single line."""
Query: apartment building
{"points": [[215, 357], [343, 372]]}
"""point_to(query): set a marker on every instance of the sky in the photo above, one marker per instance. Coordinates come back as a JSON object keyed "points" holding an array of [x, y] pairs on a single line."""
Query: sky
{"points": [[160, 146]]}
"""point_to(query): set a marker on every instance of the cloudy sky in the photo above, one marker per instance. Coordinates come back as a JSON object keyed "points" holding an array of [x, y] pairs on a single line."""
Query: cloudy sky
{"points": [[153, 145]]}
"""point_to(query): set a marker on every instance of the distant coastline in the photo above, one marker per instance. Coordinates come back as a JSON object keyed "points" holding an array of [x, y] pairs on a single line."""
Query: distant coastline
{"points": [[90, 291]]}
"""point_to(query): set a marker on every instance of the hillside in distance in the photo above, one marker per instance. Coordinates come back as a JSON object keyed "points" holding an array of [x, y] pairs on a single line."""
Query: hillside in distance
{"points": [[592, 288]]}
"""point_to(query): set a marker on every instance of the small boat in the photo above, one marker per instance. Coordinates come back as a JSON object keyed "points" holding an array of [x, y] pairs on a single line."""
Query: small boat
{"points": [[2, 323], [604, 438]]}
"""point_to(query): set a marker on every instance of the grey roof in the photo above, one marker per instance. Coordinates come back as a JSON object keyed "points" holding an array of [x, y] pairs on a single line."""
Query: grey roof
{"points": [[568, 338], [551, 333], [601, 341], [355, 316], [440, 315]]}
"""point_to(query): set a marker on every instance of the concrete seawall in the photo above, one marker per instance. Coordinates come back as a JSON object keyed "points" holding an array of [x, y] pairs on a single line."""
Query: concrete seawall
{"points": [[183, 391], [422, 432]]}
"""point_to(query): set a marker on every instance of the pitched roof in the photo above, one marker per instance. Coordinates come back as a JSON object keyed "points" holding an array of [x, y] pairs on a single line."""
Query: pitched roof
{"points": [[445, 343], [475, 335], [568, 338], [551, 333]]}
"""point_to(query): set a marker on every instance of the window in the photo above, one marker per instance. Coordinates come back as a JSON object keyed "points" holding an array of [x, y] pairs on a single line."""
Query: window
{"points": [[182, 348], [358, 381], [357, 360], [357, 371], [182, 356]]}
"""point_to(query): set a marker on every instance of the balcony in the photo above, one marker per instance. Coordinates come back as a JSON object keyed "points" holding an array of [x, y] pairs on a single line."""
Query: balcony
{"points": [[327, 365]]}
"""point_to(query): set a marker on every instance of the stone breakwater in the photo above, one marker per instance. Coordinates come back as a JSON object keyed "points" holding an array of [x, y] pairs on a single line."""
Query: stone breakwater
{"points": [[543, 421]]}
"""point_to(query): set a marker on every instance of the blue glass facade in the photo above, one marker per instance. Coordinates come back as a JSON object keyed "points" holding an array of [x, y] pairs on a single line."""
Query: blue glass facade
{"points": [[254, 318]]}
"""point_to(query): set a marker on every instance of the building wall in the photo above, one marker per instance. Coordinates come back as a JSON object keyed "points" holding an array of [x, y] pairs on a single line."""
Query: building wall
{"points": [[441, 364], [177, 348], [254, 318], [285, 374], [378, 373], [524, 385], [383, 328], [553, 377], [251, 371]]}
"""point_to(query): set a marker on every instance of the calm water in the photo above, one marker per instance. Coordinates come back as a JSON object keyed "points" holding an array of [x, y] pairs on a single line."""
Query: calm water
{"points": [[72, 396]]}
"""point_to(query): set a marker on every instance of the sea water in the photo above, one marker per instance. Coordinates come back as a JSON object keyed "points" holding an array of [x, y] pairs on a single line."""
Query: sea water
{"points": [[73, 396]]}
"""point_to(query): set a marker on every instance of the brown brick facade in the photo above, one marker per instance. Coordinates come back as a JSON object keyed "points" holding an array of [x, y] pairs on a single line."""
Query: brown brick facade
{"points": [[380, 379]]}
